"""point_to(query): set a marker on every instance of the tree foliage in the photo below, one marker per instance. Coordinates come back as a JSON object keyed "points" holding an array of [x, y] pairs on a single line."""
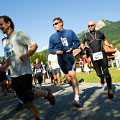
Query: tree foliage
{"points": [[38, 55], [45, 52], [1, 58], [112, 33]]}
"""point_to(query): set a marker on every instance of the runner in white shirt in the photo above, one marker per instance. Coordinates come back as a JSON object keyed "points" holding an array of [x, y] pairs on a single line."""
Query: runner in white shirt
{"points": [[17, 56], [52, 58]]}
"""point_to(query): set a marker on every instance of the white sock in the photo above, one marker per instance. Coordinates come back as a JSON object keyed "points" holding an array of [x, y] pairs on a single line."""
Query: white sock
{"points": [[76, 97]]}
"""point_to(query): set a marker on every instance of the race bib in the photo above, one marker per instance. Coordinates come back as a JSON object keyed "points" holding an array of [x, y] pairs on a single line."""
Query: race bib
{"points": [[64, 41], [9, 51], [53, 61], [37, 70], [97, 56]]}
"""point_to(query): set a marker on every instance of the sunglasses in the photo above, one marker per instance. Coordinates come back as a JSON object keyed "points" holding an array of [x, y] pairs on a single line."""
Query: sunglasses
{"points": [[90, 25], [56, 23]]}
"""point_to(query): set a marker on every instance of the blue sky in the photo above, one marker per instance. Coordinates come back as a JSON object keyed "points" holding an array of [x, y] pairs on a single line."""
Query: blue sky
{"points": [[35, 16]]}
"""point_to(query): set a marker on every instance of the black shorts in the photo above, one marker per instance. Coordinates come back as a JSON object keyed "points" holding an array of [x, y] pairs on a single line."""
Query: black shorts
{"points": [[23, 87], [3, 76], [66, 62], [39, 78]]}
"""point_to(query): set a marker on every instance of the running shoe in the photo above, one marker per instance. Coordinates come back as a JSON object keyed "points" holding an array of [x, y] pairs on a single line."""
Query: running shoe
{"points": [[76, 103], [19, 106], [110, 94], [50, 97]]}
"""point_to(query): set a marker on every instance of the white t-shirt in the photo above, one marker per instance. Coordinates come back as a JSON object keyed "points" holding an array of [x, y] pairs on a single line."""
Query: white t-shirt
{"points": [[52, 58], [15, 46]]}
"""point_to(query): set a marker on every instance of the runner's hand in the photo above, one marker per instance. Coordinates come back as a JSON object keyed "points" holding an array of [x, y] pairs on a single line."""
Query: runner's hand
{"points": [[24, 58], [59, 52], [111, 46], [68, 51]]}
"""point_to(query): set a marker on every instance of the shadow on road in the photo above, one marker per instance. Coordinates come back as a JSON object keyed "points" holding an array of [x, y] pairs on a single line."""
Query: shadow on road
{"points": [[94, 101]]}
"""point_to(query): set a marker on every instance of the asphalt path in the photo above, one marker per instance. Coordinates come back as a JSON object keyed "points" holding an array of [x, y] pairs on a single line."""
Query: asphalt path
{"points": [[94, 101]]}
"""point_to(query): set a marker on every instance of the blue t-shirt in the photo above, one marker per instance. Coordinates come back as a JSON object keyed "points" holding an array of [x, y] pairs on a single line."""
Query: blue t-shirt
{"points": [[63, 40]]}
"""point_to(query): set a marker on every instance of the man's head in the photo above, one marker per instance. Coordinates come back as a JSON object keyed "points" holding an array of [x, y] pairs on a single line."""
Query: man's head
{"points": [[91, 25], [58, 24], [6, 23]]}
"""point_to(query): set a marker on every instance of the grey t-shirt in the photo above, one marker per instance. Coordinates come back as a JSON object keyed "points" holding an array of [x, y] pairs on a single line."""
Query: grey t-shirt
{"points": [[15, 46]]}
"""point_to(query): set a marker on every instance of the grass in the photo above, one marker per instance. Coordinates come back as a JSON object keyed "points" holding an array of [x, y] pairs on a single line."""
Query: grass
{"points": [[93, 78]]}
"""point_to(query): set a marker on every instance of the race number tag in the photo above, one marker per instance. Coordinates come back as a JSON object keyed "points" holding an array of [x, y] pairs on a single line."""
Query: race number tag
{"points": [[9, 51], [97, 56], [64, 41], [37, 70]]}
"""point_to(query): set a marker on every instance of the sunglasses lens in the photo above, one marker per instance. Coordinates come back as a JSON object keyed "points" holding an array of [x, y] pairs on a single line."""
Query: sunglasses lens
{"points": [[56, 23], [90, 25]]}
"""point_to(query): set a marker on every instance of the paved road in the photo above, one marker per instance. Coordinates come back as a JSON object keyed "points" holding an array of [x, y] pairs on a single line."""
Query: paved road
{"points": [[93, 98]]}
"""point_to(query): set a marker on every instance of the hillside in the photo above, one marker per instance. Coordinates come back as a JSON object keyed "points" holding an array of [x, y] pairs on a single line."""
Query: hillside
{"points": [[45, 52], [111, 31]]}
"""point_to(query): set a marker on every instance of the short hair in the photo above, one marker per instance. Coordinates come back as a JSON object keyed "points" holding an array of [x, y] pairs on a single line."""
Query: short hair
{"points": [[58, 18], [8, 19]]}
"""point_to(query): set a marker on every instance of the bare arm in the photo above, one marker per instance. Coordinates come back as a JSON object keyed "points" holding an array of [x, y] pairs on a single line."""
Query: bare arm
{"points": [[3, 68], [59, 52], [70, 50], [32, 50], [107, 43]]}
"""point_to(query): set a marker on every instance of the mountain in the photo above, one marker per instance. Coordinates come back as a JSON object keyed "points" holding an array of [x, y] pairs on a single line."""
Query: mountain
{"points": [[43, 48], [100, 24], [111, 31], [45, 52]]}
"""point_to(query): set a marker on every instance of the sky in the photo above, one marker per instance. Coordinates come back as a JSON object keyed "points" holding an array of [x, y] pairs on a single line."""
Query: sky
{"points": [[35, 16]]}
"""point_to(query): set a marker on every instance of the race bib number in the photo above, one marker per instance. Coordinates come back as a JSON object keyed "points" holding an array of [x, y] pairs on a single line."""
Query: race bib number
{"points": [[64, 41], [97, 56], [9, 51], [37, 70]]}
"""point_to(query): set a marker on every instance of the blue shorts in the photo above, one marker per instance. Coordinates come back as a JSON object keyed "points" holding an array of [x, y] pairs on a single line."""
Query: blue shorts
{"points": [[66, 62]]}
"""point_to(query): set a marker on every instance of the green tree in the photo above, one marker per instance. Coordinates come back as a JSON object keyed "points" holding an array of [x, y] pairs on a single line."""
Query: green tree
{"points": [[38, 55], [1, 58]]}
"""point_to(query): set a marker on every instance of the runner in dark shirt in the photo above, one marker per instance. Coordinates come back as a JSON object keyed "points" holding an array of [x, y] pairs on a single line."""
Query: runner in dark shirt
{"points": [[95, 41], [38, 72]]}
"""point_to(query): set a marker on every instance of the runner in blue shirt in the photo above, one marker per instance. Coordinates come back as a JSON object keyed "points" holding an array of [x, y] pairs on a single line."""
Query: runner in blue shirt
{"points": [[62, 43]]}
